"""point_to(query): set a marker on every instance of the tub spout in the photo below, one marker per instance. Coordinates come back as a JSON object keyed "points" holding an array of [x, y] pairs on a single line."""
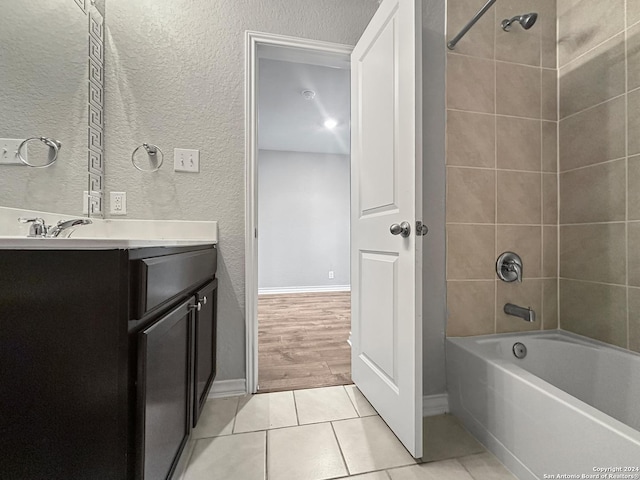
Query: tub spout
{"points": [[527, 314]]}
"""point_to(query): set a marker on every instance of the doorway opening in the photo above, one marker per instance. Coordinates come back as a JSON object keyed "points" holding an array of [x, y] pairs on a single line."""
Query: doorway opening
{"points": [[298, 258]]}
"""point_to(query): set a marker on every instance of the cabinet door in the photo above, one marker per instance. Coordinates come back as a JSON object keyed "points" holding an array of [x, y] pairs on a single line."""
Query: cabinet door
{"points": [[205, 346], [164, 392]]}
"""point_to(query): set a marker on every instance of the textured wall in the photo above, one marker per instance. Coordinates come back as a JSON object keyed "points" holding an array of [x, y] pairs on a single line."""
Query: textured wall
{"points": [[501, 167], [303, 219], [175, 77], [43, 92], [599, 98]]}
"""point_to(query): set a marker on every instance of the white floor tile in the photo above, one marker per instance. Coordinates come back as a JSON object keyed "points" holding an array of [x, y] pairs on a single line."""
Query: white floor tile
{"points": [[233, 457], [362, 405], [382, 475], [265, 411], [308, 452], [445, 437], [445, 470], [323, 405], [368, 444], [216, 418], [486, 467]]}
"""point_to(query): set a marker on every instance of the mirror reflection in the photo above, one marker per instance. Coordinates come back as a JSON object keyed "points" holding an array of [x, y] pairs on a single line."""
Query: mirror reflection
{"points": [[50, 56]]}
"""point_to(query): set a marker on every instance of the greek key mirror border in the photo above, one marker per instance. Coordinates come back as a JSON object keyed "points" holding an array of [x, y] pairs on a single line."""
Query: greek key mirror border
{"points": [[95, 105]]}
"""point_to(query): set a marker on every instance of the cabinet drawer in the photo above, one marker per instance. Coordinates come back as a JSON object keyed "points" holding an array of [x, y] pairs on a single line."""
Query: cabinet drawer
{"points": [[160, 279]]}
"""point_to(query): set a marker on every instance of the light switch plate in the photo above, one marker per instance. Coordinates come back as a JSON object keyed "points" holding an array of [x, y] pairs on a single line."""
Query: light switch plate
{"points": [[9, 151], [186, 160]]}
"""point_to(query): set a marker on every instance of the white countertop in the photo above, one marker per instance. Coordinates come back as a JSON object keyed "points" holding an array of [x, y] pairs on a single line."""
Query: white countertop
{"points": [[105, 234], [22, 243]]}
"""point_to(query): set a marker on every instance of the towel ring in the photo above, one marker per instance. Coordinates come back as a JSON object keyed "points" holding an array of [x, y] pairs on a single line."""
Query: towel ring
{"points": [[50, 142], [152, 151]]}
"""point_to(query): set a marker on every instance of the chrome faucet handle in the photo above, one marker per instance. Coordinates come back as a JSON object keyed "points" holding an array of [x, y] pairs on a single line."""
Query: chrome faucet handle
{"points": [[509, 267], [37, 229], [513, 266], [63, 225]]}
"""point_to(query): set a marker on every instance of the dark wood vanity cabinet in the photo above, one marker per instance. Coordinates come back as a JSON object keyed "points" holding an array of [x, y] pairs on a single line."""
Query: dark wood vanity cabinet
{"points": [[106, 358], [205, 327]]}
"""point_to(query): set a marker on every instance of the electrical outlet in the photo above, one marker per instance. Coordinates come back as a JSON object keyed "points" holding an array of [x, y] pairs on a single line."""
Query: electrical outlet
{"points": [[9, 151], [185, 160], [330, 274], [118, 203]]}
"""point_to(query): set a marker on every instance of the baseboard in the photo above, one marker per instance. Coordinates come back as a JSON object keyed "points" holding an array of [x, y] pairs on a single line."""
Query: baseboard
{"points": [[228, 388], [318, 289], [435, 404]]}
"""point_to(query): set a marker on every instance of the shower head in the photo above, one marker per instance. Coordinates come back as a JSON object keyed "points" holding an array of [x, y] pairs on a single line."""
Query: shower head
{"points": [[526, 21]]}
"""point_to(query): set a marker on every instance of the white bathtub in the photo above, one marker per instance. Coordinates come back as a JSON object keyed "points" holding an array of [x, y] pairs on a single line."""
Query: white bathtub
{"points": [[570, 407]]}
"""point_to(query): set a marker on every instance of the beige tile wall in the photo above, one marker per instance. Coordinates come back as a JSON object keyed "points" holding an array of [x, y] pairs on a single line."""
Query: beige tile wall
{"points": [[599, 172], [502, 167]]}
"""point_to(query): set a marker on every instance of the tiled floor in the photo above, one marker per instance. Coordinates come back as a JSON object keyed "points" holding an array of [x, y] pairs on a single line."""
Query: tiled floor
{"points": [[325, 433]]}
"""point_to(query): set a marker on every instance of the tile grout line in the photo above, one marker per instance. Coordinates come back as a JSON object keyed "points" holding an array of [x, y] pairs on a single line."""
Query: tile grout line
{"points": [[557, 259], [605, 162], [542, 199], [183, 476], [591, 49], [470, 224], [266, 455], [352, 402], [465, 467], [512, 170], [493, 59], [502, 115], [344, 460], [626, 165], [592, 107], [495, 172], [295, 406], [595, 282], [235, 416]]}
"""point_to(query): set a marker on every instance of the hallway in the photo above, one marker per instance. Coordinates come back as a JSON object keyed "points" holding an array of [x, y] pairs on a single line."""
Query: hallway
{"points": [[302, 341]]}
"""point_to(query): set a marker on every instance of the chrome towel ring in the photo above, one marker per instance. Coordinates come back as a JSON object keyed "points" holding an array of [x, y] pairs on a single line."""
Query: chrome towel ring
{"points": [[49, 142], [152, 151]]}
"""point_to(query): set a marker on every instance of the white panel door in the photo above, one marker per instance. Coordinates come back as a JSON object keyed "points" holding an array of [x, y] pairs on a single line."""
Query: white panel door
{"points": [[386, 190]]}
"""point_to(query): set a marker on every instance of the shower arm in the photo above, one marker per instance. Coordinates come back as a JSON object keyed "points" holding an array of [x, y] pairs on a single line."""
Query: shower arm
{"points": [[471, 23]]}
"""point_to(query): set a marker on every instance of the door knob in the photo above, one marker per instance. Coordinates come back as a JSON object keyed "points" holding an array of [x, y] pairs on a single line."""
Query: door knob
{"points": [[404, 229]]}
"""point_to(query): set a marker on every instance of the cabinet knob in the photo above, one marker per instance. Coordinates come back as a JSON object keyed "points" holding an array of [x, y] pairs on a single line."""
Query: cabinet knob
{"points": [[197, 307], [204, 300]]}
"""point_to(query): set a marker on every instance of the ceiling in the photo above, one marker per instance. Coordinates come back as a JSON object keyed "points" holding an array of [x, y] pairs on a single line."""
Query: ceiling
{"points": [[286, 120]]}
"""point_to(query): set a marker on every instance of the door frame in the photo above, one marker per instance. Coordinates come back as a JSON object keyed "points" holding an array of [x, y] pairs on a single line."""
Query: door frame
{"points": [[253, 40]]}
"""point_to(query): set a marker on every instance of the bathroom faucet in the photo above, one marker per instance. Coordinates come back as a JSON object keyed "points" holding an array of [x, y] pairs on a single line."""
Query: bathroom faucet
{"points": [[526, 314], [62, 225], [38, 228]]}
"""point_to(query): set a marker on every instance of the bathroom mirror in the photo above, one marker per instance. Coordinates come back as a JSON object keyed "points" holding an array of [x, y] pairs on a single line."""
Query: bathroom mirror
{"points": [[51, 85]]}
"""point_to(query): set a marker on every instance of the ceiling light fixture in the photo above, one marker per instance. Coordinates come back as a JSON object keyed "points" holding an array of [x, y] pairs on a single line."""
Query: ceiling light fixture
{"points": [[308, 94], [330, 123]]}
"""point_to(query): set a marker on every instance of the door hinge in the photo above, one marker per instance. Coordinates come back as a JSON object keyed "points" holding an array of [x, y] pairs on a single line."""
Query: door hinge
{"points": [[255, 233], [421, 229]]}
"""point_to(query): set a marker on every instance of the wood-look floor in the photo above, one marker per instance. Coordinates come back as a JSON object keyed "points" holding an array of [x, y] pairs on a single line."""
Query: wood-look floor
{"points": [[302, 341]]}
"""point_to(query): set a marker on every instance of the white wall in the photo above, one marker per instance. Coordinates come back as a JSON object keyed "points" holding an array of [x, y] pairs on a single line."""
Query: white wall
{"points": [[303, 219], [175, 77]]}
